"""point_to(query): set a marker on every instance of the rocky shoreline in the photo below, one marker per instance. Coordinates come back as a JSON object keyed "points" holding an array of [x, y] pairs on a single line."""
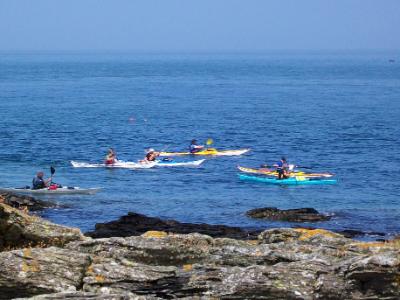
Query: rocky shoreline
{"points": [[42, 260]]}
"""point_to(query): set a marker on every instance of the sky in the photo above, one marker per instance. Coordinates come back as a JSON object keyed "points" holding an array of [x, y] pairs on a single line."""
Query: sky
{"points": [[201, 25]]}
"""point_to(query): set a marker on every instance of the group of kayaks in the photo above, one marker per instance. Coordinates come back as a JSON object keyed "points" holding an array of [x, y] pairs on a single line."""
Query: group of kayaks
{"points": [[264, 175]]}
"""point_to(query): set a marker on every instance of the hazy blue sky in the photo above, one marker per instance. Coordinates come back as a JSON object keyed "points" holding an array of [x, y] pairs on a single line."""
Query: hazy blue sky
{"points": [[202, 25]]}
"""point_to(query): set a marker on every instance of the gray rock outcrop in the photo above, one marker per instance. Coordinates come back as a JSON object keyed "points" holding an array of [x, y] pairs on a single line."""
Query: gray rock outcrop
{"points": [[19, 229], [292, 263]]}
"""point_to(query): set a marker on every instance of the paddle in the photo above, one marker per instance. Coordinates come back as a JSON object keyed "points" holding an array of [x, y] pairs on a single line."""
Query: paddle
{"points": [[209, 142], [272, 166], [52, 171]]}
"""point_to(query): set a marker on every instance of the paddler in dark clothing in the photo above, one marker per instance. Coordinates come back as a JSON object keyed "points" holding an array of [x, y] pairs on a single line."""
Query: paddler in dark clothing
{"points": [[194, 148], [111, 157], [151, 155], [39, 183], [282, 167]]}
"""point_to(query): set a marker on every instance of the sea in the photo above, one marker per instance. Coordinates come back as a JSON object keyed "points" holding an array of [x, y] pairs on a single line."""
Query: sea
{"points": [[335, 112]]}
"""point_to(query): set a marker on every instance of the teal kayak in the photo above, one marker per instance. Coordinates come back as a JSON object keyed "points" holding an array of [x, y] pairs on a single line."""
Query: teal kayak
{"points": [[289, 181]]}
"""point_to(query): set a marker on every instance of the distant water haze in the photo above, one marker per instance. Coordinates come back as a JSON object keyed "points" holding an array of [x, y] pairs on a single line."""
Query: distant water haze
{"points": [[207, 25]]}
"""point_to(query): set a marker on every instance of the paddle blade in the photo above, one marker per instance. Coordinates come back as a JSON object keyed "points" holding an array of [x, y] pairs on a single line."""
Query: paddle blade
{"points": [[209, 142], [52, 170]]}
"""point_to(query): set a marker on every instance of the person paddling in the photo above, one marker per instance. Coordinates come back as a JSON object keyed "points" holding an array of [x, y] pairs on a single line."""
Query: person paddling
{"points": [[111, 157], [282, 167], [39, 183], [151, 155], [194, 148]]}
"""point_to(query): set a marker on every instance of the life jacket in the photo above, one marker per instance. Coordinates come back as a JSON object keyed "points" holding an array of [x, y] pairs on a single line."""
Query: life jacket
{"points": [[38, 183], [53, 187]]}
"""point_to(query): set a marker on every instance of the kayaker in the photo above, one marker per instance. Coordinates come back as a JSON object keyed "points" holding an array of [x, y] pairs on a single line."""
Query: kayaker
{"points": [[194, 148], [111, 157], [151, 155], [282, 167], [38, 182]]}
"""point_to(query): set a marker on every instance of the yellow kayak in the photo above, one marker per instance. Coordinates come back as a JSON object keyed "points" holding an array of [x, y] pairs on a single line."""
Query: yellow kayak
{"points": [[274, 173], [209, 151]]}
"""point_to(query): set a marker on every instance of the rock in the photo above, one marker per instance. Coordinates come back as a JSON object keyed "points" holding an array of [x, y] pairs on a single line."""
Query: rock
{"points": [[375, 274], [25, 202], [278, 235], [91, 296], [137, 224], [293, 263], [282, 264], [19, 229], [289, 215], [30, 272], [162, 249], [349, 233]]}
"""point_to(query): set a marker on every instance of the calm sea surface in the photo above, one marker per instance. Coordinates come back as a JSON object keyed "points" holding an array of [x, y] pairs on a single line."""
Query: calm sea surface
{"points": [[334, 112]]}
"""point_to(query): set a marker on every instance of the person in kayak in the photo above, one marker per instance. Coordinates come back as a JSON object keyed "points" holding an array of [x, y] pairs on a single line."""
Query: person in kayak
{"points": [[194, 148], [111, 157], [151, 155], [39, 183], [282, 167]]}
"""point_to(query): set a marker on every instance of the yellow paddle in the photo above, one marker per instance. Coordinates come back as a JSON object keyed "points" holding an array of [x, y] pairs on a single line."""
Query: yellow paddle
{"points": [[209, 142]]}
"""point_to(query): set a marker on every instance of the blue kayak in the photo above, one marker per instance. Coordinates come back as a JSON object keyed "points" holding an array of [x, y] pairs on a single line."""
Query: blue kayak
{"points": [[289, 181]]}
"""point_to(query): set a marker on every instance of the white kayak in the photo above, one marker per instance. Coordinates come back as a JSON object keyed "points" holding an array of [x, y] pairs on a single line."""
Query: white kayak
{"points": [[117, 164], [139, 165], [65, 190], [166, 163]]}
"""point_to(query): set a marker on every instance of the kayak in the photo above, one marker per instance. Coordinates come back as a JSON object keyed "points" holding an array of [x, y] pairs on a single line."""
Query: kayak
{"points": [[65, 190], [209, 151], [138, 165], [193, 163], [299, 180], [117, 164], [274, 173]]}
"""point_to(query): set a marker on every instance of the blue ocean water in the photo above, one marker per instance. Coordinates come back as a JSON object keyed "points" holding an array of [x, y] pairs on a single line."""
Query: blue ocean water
{"points": [[336, 112]]}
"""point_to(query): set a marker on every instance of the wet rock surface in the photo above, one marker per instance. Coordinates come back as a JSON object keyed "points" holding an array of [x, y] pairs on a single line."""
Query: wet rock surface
{"points": [[288, 215], [25, 202], [137, 224], [294, 263]]}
